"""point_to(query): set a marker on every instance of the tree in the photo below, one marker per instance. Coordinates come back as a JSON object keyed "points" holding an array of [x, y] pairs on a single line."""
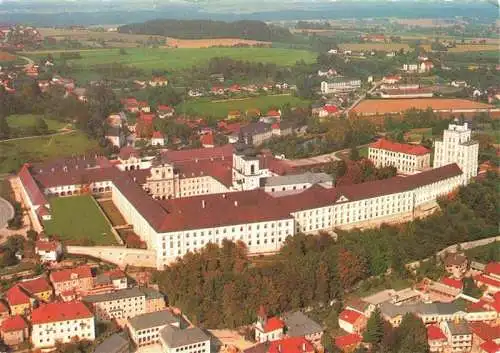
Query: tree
{"points": [[41, 127], [352, 268], [4, 128], [354, 154], [411, 335], [471, 289], [374, 328], [327, 342]]}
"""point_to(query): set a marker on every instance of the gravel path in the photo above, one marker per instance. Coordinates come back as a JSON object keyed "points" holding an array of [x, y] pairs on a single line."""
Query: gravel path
{"points": [[6, 212]]}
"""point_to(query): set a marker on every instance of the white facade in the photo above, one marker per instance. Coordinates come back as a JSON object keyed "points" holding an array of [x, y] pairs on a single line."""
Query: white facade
{"points": [[198, 343], [46, 335], [158, 141], [247, 173], [458, 147], [340, 86], [403, 162]]}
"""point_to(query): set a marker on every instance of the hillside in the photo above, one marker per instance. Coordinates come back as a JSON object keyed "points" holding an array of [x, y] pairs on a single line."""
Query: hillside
{"points": [[205, 29]]}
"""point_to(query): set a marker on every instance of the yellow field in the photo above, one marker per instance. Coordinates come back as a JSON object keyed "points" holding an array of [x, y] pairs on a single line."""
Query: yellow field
{"points": [[375, 46], [216, 42], [464, 48]]}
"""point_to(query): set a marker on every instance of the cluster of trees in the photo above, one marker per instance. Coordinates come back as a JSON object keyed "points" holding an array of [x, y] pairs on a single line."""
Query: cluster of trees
{"points": [[6, 132], [357, 171], [313, 25], [8, 250], [199, 29], [222, 287]]}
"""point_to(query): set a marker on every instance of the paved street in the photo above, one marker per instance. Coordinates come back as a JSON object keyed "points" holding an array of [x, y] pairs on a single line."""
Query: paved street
{"points": [[6, 212]]}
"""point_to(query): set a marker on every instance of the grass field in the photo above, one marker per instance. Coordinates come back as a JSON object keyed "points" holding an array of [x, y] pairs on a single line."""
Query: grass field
{"points": [[181, 58], [467, 48], [375, 46], [78, 220], [26, 122], [14, 153], [220, 108], [113, 214]]}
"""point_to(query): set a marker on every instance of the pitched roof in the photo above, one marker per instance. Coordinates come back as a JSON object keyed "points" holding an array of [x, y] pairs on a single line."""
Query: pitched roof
{"points": [[154, 319], [273, 323], [330, 109], [55, 312], [14, 323], [484, 331], [349, 316], [434, 333], [70, 274], [291, 345], [490, 347], [17, 296], [273, 113], [157, 135], [489, 281], [207, 140], [493, 268], [225, 151], [116, 343], [298, 324], [32, 189], [175, 337], [119, 294], [36, 285], [456, 259], [452, 282], [347, 340], [387, 145], [127, 152], [46, 245]]}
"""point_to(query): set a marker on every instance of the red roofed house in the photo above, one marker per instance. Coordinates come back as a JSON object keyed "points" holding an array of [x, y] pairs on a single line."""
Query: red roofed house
{"points": [[48, 250], [291, 345], [14, 330], [38, 288], [425, 66], [165, 111], [207, 140], [408, 159], [19, 301], [435, 338], [328, 110], [276, 114], [456, 264], [489, 347], [268, 329], [348, 343], [452, 282], [490, 278], [78, 279], [352, 321], [391, 79], [61, 322], [4, 311], [158, 81], [130, 104], [143, 107], [157, 139]]}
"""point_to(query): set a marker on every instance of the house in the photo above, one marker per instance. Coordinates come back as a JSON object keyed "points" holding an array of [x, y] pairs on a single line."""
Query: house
{"points": [[490, 278], [445, 291], [48, 251], [217, 77], [410, 67], [145, 329], [456, 264], [256, 133], [268, 328], [79, 93], [14, 330], [352, 321], [165, 111], [217, 90], [77, 279], [291, 345], [189, 340], [458, 335], [39, 288], [115, 136], [273, 114], [489, 347], [484, 333], [109, 281], [436, 339], [348, 343], [328, 110], [195, 93], [4, 311], [333, 51], [116, 343], [157, 139], [143, 107], [391, 80], [130, 104], [19, 301], [459, 84], [158, 81], [233, 114], [155, 300], [207, 140], [425, 66], [430, 313], [299, 325], [340, 84], [328, 73], [235, 88], [61, 322], [361, 306]]}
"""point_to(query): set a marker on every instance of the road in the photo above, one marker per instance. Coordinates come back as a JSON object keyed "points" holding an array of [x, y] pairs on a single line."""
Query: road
{"points": [[6, 212], [38, 136], [28, 60], [356, 102]]}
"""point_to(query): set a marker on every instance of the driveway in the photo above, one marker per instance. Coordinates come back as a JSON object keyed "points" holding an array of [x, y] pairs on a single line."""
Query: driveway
{"points": [[6, 212]]}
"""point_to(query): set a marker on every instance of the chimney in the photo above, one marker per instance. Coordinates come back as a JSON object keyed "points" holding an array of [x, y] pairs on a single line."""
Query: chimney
{"points": [[235, 203], [279, 347], [223, 196], [303, 346], [203, 204]]}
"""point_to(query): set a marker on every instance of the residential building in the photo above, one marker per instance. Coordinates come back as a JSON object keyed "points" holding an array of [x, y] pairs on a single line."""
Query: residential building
{"points": [[348, 343], [410, 67], [407, 159], [116, 343], [207, 140], [189, 340], [122, 304], [268, 328], [109, 282], [115, 136], [77, 280], [436, 339], [145, 329], [256, 133], [155, 300], [340, 84], [14, 330], [328, 110], [352, 321], [49, 251], [157, 139], [391, 79], [4, 311], [39, 288], [456, 146], [430, 313], [61, 322], [165, 111], [300, 325], [296, 182], [19, 301], [458, 335], [158, 81], [456, 264], [291, 345], [490, 278]]}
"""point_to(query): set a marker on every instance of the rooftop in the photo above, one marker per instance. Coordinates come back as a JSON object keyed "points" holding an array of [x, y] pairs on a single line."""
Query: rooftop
{"points": [[55, 312], [300, 325], [392, 310], [119, 294], [13, 323], [115, 343], [36, 285], [348, 340], [308, 177], [349, 316], [387, 145], [291, 345], [71, 274], [175, 337], [459, 328], [434, 333], [155, 319]]}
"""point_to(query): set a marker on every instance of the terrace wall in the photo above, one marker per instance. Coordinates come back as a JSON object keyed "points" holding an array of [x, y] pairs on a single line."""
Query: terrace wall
{"points": [[117, 255]]}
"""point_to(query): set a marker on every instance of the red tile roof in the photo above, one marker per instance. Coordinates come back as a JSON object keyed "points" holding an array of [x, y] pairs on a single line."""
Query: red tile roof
{"points": [[157, 135], [400, 147], [484, 331], [273, 323], [490, 347], [225, 151], [67, 274], [452, 282], [14, 323], [3, 307], [127, 152], [207, 140], [165, 108], [16, 296], [116, 274], [349, 316], [36, 286], [489, 281], [75, 177], [291, 345], [434, 333], [43, 211], [218, 169], [55, 312], [330, 109], [493, 268], [46, 245], [273, 113], [34, 193], [347, 340]]}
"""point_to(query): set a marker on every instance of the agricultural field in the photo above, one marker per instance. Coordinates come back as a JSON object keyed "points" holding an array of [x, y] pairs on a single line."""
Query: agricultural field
{"points": [[374, 46], [86, 35], [79, 220], [220, 108], [468, 48], [14, 153], [23, 124], [172, 59], [216, 42]]}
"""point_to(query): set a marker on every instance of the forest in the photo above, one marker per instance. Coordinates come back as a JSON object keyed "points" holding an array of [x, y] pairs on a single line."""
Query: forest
{"points": [[204, 29], [223, 287]]}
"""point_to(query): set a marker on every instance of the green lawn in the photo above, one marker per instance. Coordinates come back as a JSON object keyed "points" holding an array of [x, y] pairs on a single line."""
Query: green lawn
{"points": [[181, 58], [14, 153], [24, 123], [220, 109], [78, 220]]}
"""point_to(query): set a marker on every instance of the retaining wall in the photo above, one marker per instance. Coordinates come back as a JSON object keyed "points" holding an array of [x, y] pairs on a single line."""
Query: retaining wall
{"points": [[117, 255]]}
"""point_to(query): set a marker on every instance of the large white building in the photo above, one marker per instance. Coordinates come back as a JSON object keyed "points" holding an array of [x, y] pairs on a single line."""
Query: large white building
{"points": [[61, 322], [145, 329], [458, 147], [340, 85], [407, 159], [189, 340]]}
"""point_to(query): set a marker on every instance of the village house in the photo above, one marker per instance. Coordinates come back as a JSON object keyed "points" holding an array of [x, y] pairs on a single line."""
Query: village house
{"points": [[299, 325], [14, 330], [436, 339], [490, 278], [39, 288], [430, 313], [165, 111], [233, 114], [158, 81], [410, 67], [391, 79], [109, 281], [352, 321], [268, 328], [328, 110], [456, 264], [157, 139], [291, 345], [115, 136], [145, 329], [19, 301], [78, 280], [256, 133], [61, 322], [348, 343], [458, 335], [49, 251], [486, 336], [207, 140], [189, 340]]}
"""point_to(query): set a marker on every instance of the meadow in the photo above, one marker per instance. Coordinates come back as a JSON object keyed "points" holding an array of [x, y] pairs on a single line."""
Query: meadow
{"points": [[23, 124], [149, 59], [374, 46], [78, 220], [220, 108], [13, 154]]}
